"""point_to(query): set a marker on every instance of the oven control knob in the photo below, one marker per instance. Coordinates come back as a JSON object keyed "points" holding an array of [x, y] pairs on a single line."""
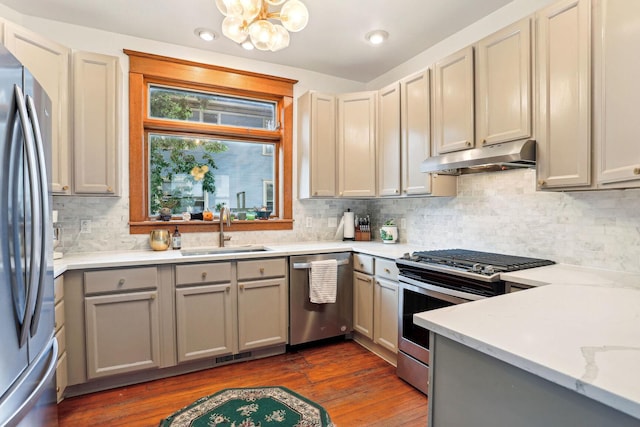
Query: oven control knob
{"points": [[476, 268], [489, 269]]}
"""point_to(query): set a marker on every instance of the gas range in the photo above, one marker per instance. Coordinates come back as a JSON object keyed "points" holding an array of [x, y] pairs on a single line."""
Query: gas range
{"points": [[472, 271]]}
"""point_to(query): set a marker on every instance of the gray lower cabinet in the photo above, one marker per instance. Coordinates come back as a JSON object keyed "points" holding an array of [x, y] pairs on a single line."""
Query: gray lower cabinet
{"points": [[122, 332], [205, 311], [122, 322], [263, 309]]}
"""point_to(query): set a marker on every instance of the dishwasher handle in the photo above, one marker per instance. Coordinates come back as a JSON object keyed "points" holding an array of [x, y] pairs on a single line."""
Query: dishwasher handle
{"points": [[307, 265]]}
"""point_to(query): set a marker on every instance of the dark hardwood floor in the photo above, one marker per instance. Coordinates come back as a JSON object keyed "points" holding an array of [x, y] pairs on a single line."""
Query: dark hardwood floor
{"points": [[356, 387]]}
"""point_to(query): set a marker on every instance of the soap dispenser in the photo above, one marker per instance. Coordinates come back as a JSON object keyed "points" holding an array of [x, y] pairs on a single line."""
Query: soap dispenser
{"points": [[176, 241]]}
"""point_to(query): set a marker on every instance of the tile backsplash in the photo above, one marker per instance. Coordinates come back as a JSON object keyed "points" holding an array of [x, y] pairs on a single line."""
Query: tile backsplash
{"points": [[499, 212]]}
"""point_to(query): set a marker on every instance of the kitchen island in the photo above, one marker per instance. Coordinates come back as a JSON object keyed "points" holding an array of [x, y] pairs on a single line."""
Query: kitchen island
{"points": [[564, 354]]}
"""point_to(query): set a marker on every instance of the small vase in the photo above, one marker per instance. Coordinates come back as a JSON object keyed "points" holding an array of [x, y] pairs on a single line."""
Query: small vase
{"points": [[389, 234]]}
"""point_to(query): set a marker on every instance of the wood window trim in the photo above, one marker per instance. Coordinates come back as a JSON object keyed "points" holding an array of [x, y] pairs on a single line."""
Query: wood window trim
{"points": [[145, 67]]}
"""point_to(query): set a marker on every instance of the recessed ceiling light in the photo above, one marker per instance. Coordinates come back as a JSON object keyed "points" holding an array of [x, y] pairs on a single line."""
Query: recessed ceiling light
{"points": [[247, 44], [376, 37], [206, 34]]}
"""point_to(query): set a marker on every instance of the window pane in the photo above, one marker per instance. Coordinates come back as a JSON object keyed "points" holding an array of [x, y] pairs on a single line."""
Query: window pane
{"points": [[190, 174], [211, 108]]}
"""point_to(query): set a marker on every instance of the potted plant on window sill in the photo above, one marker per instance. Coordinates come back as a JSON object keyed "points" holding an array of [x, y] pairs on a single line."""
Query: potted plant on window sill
{"points": [[389, 231]]}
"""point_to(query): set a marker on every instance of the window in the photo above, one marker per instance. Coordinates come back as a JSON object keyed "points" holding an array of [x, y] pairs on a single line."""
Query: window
{"points": [[202, 136]]}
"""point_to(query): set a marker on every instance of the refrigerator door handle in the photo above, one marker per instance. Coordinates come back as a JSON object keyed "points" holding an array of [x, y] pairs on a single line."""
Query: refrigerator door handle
{"points": [[35, 244], [44, 210]]}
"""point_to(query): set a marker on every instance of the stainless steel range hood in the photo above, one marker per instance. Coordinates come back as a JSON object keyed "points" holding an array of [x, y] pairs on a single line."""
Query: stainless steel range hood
{"points": [[508, 155]]}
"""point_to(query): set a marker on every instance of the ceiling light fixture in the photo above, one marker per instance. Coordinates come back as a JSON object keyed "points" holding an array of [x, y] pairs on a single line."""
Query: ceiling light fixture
{"points": [[249, 20], [376, 37], [205, 34]]}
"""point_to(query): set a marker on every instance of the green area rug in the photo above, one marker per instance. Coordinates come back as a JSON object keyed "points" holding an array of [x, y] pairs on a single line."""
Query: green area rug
{"points": [[251, 407]]}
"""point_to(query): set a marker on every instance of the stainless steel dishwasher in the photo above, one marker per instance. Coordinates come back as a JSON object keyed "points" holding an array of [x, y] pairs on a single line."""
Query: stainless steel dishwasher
{"points": [[309, 321]]}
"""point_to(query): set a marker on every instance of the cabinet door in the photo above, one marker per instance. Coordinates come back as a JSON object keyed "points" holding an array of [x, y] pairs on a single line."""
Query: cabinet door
{"points": [[317, 148], [453, 102], [95, 124], [617, 91], [263, 313], [363, 304], [205, 321], [415, 119], [564, 111], [385, 325], [122, 333], [356, 145], [503, 77], [389, 141], [49, 63]]}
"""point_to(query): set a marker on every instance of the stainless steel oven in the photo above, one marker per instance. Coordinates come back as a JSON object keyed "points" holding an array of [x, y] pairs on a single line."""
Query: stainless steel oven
{"points": [[430, 280]]}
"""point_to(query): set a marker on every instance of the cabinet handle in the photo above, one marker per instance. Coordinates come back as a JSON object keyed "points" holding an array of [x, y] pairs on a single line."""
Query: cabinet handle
{"points": [[636, 171], [120, 282], [152, 296], [386, 270], [261, 270], [55, 325], [65, 187], [396, 191], [361, 265], [315, 193], [109, 189], [204, 275], [542, 183], [227, 289], [241, 287], [484, 141], [341, 193], [468, 143], [58, 389]]}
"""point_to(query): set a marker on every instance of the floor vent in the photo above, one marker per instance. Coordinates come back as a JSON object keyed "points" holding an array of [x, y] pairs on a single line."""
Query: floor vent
{"points": [[232, 357]]}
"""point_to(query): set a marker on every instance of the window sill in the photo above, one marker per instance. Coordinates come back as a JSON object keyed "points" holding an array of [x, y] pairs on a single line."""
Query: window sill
{"points": [[199, 226]]}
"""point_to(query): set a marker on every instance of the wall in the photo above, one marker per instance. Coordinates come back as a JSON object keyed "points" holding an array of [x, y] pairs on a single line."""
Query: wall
{"points": [[502, 212]]}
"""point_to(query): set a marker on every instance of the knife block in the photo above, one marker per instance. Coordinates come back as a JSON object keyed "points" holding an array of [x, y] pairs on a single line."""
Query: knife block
{"points": [[363, 236]]}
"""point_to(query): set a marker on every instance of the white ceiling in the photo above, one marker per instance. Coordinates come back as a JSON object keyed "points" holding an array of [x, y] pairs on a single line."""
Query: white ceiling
{"points": [[333, 42]]}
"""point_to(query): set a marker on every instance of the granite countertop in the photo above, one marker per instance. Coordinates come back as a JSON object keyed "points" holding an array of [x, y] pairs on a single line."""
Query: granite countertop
{"points": [[134, 258], [581, 332]]}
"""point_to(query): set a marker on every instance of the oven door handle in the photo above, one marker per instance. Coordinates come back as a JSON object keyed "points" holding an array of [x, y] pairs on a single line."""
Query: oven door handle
{"points": [[453, 296]]}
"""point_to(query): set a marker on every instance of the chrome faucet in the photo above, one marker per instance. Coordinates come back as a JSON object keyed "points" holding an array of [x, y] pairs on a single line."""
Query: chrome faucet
{"points": [[224, 211]]}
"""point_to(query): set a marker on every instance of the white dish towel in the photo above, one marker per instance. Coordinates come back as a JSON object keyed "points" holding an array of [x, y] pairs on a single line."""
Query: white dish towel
{"points": [[323, 281]]}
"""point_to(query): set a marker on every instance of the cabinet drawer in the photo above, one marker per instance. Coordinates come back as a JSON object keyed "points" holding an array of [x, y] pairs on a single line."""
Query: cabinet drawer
{"points": [[122, 279], [58, 288], [363, 263], [61, 337], [261, 268], [59, 315], [386, 269], [203, 273]]}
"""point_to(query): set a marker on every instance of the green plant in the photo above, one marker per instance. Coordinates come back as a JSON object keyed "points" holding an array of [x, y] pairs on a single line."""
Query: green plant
{"points": [[390, 222]]}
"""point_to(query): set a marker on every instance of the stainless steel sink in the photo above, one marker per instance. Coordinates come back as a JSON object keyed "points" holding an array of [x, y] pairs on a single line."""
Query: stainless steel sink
{"points": [[225, 250]]}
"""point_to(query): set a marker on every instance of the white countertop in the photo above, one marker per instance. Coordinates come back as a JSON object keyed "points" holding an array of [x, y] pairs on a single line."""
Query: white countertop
{"points": [[581, 332], [132, 258]]}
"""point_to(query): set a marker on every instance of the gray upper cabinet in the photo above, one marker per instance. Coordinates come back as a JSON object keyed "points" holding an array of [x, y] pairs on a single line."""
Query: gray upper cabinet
{"points": [[317, 148], [564, 95], [503, 84], [616, 93], [95, 124], [453, 109], [357, 144], [49, 63], [388, 137]]}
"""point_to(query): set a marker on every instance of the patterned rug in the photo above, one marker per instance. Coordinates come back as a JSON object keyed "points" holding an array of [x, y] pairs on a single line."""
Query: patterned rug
{"points": [[251, 407]]}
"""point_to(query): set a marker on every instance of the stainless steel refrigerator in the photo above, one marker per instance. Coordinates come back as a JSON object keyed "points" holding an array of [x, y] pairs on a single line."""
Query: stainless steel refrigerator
{"points": [[28, 348]]}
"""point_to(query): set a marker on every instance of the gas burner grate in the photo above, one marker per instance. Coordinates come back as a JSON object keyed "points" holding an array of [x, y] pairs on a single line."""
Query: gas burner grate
{"points": [[464, 257]]}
